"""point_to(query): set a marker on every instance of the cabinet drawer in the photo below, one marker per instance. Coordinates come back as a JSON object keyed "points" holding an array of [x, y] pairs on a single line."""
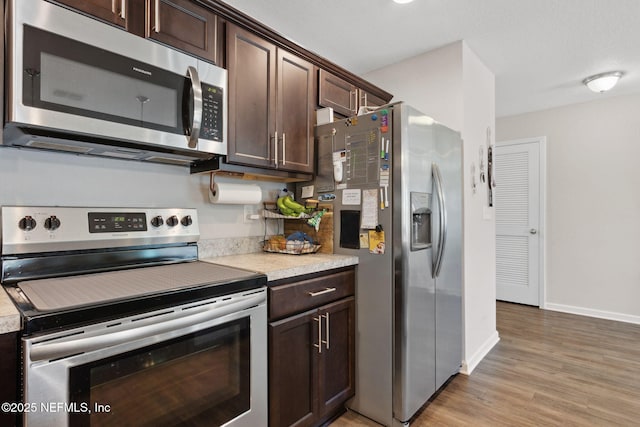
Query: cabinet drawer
{"points": [[290, 298]]}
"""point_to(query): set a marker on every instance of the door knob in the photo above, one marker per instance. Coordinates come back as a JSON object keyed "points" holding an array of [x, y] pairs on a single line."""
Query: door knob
{"points": [[533, 231]]}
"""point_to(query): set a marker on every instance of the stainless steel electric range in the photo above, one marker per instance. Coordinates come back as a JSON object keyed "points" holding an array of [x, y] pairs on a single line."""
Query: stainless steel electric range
{"points": [[122, 325]]}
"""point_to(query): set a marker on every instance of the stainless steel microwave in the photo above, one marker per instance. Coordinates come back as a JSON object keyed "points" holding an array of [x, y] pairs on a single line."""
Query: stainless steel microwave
{"points": [[76, 84]]}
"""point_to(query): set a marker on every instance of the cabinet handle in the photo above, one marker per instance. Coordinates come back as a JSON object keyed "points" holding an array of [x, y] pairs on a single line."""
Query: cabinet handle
{"points": [[319, 345], [353, 94], [326, 317], [123, 13], [284, 148], [322, 292], [156, 26], [275, 148]]}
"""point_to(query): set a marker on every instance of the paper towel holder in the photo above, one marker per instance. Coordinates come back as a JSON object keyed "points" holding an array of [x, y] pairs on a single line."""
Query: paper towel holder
{"points": [[226, 174], [233, 194]]}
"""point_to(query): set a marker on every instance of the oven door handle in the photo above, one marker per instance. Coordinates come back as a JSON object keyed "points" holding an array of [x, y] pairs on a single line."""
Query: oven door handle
{"points": [[72, 346]]}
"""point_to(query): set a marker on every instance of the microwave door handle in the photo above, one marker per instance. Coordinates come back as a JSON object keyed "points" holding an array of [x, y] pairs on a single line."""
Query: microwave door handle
{"points": [[196, 89]]}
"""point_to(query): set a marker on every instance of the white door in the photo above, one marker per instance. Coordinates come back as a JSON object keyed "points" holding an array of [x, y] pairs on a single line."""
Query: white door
{"points": [[518, 209]]}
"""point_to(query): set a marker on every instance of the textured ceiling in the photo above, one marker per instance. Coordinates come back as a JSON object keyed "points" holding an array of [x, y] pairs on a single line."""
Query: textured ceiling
{"points": [[539, 50]]}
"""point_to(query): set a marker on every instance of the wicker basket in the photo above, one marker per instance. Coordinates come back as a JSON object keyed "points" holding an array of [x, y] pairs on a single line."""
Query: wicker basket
{"points": [[292, 247]]}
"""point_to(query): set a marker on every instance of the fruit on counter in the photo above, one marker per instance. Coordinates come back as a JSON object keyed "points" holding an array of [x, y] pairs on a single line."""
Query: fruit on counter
{"points": [[289, 207], [284, 210], [278, 242], [293, 205]]}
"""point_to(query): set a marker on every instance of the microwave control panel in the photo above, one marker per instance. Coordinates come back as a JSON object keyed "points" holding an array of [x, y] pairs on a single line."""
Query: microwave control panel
{"points": [[211, 112]]}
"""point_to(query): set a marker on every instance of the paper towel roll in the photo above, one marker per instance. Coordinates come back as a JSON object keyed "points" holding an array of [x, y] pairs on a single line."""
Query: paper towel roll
{"points": [[235, 194]]}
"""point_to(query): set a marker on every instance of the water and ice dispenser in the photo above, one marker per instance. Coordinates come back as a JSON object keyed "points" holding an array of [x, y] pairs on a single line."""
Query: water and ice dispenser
{"points": [[420, 221]]}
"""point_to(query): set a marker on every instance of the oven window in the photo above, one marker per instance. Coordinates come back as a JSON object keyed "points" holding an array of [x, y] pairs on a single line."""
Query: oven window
{"points": [[200, 379]]}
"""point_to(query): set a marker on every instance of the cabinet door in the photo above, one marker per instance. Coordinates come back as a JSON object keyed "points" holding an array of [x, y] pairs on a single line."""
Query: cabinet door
{"points": [[184, 25], [296, 113], [336, 370], [251, 62], [9, 373], [337, 93], [369, 100], [293, 370], [113, 11]]}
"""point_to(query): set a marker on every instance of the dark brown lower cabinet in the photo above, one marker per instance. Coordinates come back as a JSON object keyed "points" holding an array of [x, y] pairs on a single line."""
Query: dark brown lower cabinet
{"points": [[312, 361], [8, 375]]}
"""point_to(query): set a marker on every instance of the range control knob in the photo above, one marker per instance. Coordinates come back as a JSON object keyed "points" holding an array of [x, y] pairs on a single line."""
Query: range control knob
{"points": [[52, 223], [157, 221], [172, 221], [186, 220], [27, 223]]}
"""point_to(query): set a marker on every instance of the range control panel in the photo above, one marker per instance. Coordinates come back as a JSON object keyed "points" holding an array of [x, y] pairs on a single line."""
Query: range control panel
{"points": [[29, 229], [117, 222]]}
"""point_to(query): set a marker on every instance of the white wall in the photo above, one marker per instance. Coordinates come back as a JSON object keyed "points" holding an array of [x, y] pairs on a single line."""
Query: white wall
{"points": [[593, 204], [479, 220], [44, 178], [430, 82], [455, 88]]}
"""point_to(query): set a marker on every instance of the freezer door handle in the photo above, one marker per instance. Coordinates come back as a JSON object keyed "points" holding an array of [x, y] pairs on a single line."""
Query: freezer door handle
{"points": [[442, 215]]}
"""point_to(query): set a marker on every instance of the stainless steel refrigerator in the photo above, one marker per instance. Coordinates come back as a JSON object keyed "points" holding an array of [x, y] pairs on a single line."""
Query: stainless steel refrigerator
{"points": [[394, 178]]}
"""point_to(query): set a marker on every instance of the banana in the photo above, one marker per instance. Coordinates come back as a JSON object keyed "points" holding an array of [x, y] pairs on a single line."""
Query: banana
{"points": [[283, 208], [293, 205]]}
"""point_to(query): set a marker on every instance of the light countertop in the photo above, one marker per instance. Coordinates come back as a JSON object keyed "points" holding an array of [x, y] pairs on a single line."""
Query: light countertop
{"points": [[9, 316], [282, 266], [275, 266]]}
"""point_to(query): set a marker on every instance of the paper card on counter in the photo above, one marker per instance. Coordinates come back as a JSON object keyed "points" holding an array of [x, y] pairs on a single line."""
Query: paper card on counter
{"points": [[369, 217], [352, 197], [376, 242]]}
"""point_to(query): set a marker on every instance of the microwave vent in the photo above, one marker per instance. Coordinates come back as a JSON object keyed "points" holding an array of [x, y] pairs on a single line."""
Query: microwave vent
{"points": [[169, 160], [121, 154], [49, 145]]}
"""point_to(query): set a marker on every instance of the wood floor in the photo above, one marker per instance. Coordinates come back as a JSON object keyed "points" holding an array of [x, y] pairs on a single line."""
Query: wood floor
{"points": [[548, 369]]}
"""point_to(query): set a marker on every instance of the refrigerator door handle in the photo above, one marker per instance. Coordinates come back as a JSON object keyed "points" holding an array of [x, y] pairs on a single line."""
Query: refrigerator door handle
{"points": [[442, 214]]}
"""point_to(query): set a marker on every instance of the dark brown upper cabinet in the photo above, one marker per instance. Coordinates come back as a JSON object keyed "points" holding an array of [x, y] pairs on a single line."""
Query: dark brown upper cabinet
{"points": [[369, 100], [337, 93], [186, 26], [112, 11], [345, 98], [271, 105], [178, 23]]}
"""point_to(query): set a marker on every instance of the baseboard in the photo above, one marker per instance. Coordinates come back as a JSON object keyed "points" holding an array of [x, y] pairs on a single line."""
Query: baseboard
{"points": [[600, 314], [469, 365]]}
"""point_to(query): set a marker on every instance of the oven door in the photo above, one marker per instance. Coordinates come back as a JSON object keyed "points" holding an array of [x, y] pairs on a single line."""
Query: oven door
{"points": [[200, 364]]}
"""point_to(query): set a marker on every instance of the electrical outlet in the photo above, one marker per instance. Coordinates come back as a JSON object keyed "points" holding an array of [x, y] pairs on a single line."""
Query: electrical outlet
{"points": [[251, 213]]}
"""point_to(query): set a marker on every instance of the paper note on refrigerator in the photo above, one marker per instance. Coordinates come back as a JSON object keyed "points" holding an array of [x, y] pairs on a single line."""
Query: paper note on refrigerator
{"points": [[369, 208]]}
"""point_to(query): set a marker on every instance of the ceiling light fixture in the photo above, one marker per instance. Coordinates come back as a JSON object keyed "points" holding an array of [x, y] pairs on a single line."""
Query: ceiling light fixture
{"points": [[603, 82], [402, 1]]}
